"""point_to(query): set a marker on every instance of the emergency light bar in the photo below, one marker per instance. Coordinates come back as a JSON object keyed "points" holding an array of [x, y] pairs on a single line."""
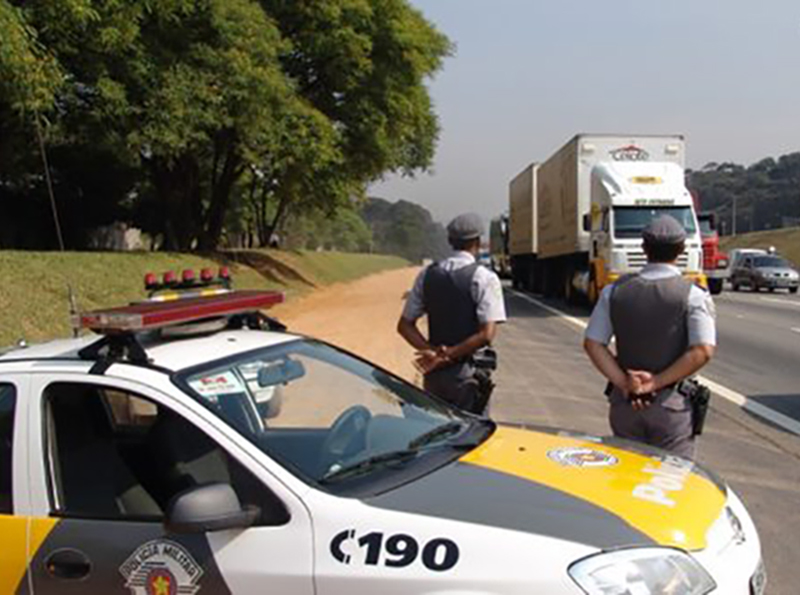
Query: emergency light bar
{"points": [[188, 280], [159, 314]]}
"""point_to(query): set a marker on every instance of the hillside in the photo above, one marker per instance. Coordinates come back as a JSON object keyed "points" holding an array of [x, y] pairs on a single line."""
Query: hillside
{"points": [[34, 301], [786, 242]]}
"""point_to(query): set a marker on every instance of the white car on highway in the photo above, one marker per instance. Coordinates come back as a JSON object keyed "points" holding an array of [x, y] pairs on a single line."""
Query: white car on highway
{"points": [[139, 460]]}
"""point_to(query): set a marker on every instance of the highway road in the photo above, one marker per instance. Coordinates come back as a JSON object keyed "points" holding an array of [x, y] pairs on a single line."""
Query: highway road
{"points": [[758, 351], [545, 378], [759, 348]]}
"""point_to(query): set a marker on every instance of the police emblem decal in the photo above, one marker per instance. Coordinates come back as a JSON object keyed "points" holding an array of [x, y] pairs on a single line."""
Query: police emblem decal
{"points": [[161, 567], [576, 456]]}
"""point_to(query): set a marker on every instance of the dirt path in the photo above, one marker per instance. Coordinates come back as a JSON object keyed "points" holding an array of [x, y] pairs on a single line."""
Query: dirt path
{"points": [[358, 316]]}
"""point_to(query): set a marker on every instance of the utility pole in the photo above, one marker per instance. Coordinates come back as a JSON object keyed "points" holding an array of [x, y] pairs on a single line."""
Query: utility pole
{"points": [[733, 223]]}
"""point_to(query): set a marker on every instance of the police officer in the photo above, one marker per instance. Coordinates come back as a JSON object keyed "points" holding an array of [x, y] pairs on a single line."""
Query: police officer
{"points": [[665, 332], [464, 303]]}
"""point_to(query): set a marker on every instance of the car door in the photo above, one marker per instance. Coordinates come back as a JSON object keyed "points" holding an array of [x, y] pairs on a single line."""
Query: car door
{"points": [[13, 520], [114, 457], [747, 272]]}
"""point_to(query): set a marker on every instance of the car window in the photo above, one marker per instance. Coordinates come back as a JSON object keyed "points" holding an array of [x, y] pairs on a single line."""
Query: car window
{"points": [[317, 409], [117, 455], [8, 401], [771, 261]]}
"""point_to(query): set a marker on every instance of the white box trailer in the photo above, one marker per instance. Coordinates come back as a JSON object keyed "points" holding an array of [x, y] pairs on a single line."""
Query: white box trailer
{"points": [[522, 221], [591, 200]]}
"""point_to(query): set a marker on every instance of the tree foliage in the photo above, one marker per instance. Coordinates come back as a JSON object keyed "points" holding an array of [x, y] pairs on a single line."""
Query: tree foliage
{"points": [[766, 194], [203, 115], [405, 229]]}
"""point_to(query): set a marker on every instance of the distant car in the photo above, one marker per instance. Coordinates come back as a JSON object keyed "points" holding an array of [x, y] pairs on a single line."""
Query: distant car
{"points": [[734, 258], [763, 270]]}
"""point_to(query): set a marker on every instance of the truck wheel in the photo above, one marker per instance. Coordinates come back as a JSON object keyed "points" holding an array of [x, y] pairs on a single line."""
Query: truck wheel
{"points": [[734, 286], [715, 286], [793, 290]]}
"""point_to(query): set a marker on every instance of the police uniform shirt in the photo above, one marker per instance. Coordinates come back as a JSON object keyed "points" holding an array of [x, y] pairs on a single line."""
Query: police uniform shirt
{"points": [[486, 291], [701, 313]]}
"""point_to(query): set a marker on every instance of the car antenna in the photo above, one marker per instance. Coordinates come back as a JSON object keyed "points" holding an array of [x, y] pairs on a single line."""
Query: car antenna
{"points": [[73, 306]]}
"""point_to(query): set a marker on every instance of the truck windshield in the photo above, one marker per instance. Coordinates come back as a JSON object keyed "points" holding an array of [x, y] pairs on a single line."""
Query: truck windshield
{"points": [[630, 221], [705, 227]]}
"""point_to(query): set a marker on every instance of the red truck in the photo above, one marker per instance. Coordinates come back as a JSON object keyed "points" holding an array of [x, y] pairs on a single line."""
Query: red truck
{"points": [[715, 263]]}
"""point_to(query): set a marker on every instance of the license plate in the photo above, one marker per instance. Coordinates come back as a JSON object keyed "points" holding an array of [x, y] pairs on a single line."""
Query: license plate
{"points": [[758, 582]]}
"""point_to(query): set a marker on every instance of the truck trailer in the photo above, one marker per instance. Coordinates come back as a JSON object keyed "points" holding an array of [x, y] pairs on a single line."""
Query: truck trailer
{"points": [[576, 219]]}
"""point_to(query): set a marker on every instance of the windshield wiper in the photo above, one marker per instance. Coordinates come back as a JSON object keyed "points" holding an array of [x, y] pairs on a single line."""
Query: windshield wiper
{"points": [[397, 456], [438, 433]]}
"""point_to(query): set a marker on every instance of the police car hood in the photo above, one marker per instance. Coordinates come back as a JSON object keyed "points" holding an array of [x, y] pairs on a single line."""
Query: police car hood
{"points": [[601, 492]]}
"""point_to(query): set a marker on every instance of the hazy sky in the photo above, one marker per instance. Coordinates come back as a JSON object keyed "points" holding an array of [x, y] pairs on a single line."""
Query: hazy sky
{"points": [[527, 75]]}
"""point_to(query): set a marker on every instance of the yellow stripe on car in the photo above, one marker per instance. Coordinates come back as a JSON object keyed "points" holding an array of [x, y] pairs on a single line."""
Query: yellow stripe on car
{"points": [[659, 496], [13, 562]]}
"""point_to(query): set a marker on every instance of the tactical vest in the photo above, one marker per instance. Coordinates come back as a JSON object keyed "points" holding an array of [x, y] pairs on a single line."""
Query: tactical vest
{"points": [[650, 322], [447, 295]]}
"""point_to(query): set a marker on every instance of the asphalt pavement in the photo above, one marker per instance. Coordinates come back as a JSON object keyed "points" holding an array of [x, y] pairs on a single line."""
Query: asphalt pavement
{"points": [[545, 378], [759, 348]]}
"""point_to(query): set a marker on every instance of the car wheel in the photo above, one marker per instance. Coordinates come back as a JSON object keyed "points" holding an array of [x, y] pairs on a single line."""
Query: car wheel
{"points": [[793, 290], [771, 289], [734, 286]]}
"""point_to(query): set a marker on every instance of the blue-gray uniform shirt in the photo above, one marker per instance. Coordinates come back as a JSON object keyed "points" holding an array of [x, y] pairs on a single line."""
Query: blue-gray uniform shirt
{"points": [[486, 291], [701, 313]]}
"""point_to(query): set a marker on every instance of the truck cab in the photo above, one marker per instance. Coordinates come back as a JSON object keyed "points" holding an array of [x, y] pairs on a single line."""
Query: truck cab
{"points": [[625, 197]]}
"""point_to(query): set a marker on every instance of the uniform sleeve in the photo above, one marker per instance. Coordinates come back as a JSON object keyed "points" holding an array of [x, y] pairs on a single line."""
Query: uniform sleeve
{"points": [[487, 292], [600, 329], [415, 306], [702, 318]]}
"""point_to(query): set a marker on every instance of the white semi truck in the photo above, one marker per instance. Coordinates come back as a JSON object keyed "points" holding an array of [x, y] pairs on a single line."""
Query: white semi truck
{"points": [[575, 220]]}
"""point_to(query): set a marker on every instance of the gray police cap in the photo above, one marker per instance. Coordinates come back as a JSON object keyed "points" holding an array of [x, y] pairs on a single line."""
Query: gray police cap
{"points": [[465, 227], [664, 229]]}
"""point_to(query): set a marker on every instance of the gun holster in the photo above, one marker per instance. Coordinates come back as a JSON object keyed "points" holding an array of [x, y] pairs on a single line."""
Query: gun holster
{"points": [[699, 397], [484, 361]]}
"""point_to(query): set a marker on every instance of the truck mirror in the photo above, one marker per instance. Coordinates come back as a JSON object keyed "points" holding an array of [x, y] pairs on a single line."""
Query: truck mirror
{"points": [[587, 222]]}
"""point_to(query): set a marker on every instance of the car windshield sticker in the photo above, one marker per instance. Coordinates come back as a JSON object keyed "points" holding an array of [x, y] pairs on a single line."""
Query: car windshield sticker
{"points": [[581, 457], [223, 383], [394, 551], [161, 567]]}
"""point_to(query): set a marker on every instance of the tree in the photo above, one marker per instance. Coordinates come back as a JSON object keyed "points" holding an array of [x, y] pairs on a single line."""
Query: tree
{"points": [[314, 99]]}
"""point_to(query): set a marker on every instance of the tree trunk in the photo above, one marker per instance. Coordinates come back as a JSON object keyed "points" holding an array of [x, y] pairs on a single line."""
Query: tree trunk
{"points": [[221, 197]]}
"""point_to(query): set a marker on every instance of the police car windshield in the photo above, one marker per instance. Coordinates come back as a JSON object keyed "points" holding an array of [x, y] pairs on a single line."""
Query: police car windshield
{"points": [[629, 222], [319, 410]]}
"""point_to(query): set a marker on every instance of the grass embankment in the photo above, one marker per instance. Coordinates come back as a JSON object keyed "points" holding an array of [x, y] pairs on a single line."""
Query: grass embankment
{"points": [[786, 242], [33, 293]]}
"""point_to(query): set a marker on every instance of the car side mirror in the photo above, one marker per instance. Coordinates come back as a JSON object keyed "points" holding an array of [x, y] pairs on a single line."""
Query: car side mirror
{"points": [[210, 507], [587, 222]]}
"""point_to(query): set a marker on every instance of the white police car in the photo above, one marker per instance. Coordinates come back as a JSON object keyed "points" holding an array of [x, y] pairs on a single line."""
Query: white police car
{"points": [[142, 460]]}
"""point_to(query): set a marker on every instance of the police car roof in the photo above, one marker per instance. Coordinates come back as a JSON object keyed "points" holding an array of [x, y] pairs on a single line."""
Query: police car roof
{"points": [[172, 354]]}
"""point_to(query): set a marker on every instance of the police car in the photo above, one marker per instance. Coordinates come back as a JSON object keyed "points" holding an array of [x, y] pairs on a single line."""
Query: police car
{"points": [[145, 458]]}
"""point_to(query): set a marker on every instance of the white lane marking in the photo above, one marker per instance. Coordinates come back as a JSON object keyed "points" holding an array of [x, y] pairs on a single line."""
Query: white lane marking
{"points": [[796, 329], [788, 302], [777, 418], [563, 315]]}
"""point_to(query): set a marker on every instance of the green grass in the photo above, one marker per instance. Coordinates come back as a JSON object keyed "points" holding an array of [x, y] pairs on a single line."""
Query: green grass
{"points": [[786, 242], [34, 301]]}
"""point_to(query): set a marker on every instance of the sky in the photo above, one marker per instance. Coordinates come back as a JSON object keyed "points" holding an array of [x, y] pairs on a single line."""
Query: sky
{"points": [[527, 75]]}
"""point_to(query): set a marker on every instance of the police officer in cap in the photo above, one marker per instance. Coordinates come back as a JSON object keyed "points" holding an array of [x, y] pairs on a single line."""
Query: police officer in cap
{"points": [[665, 332], [464, 303]]}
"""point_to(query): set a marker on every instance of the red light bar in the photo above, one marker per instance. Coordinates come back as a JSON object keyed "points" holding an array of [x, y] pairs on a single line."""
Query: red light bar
{"points": [[154, 315], [170, 278], [150, 281]]}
